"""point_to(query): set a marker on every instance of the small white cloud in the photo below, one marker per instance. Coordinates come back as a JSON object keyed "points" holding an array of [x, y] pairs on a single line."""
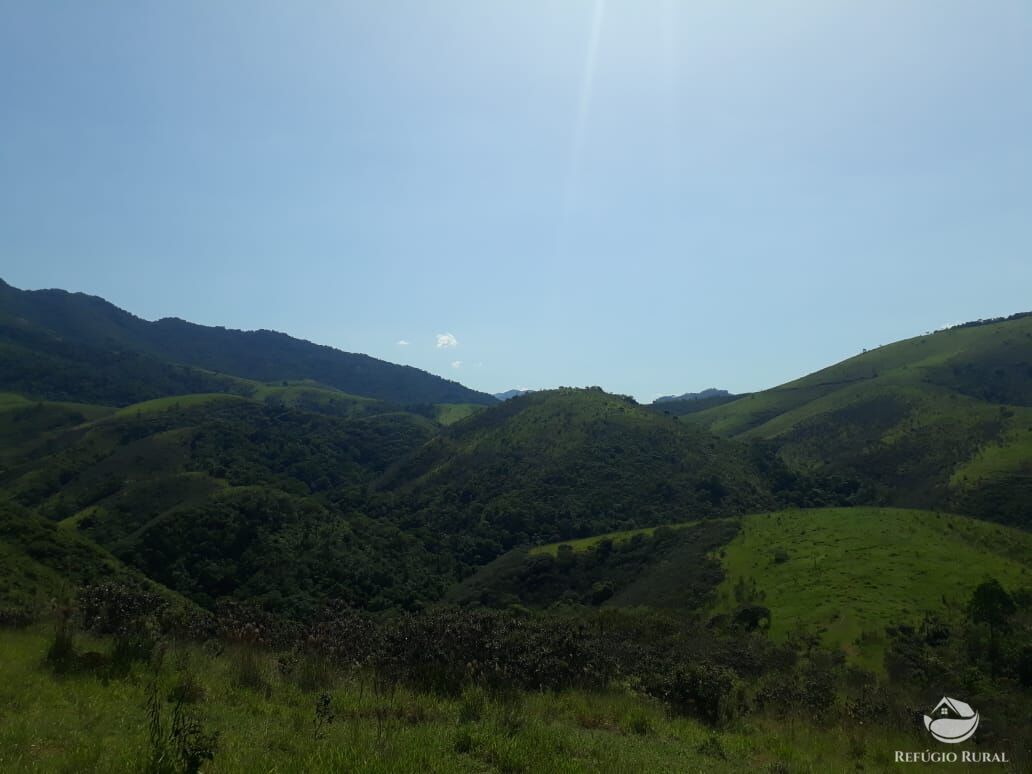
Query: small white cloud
{"points": [[402, 343], [446, 341], [456, 364]]}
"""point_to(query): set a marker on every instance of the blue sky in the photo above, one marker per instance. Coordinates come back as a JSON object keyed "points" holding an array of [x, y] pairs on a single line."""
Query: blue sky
{"points": [[652, 196]]}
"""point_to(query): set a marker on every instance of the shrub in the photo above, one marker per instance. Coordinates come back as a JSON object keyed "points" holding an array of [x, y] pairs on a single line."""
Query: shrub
{"points": [[187, 690], [704, 691], [324, 715]]}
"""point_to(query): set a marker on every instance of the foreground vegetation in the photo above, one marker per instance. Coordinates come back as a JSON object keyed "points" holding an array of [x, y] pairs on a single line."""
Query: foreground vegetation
{"points": [[128, 681], [86, 723]]}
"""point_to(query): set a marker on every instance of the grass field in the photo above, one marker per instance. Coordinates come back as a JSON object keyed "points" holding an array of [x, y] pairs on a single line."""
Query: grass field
{"points": [[450, 413], [80, 723], [849, 571], [174, 402], [9, 400], [590, 543]]}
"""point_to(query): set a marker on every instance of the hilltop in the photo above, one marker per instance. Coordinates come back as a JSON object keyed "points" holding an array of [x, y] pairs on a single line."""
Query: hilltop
{"points": [[710, 392]]}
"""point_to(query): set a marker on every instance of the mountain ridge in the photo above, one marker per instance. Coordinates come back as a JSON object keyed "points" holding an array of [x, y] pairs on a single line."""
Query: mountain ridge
{"points": [[87, 321]]}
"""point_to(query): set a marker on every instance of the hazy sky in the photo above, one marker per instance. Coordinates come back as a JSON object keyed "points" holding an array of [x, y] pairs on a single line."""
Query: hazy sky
{"points": [[650, 196]]}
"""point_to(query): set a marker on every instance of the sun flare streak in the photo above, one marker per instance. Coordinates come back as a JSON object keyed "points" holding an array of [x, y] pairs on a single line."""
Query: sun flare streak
{"points": [[584, 104]]}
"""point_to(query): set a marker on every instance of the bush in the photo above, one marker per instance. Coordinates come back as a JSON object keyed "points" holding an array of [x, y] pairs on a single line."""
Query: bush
{"points": [[710, 693]]}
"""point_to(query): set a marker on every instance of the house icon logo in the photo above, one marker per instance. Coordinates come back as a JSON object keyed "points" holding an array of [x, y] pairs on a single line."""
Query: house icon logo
{"points": [[951, 721]]}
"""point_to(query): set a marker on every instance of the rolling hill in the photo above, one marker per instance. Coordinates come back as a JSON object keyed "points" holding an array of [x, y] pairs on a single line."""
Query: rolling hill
{"points": [[42, 565], [71, 346], [564, 463], [843, 574], [218, 495], [847, 573], [941, 420]]}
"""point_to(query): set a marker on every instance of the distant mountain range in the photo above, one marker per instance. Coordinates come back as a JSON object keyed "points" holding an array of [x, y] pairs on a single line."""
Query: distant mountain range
{"points": [[711, 392], [511, 394], [72, 346]]}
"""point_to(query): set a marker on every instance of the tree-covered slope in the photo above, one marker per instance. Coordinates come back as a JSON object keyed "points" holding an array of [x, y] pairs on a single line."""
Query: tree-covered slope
{"points": [[218, 495], [42, 565], [942, 420], [565, 463], [71, 346]]}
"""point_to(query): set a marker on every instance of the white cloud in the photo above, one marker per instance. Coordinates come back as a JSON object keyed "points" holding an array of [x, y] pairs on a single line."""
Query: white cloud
{"points": [[456, 364], [446, 341], [403, 343]]}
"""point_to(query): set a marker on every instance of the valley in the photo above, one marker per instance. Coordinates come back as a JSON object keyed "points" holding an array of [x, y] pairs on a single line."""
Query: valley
{"points": [[311, 538]]}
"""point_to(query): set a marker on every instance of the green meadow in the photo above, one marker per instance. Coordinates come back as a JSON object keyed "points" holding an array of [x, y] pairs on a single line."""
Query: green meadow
{"points": [[591, 543], [450, 413], [846, 573]]}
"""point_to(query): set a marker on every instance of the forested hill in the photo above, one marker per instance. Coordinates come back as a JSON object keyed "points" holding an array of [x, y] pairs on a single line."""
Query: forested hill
{"points": [[72, 346], [566, 463]]}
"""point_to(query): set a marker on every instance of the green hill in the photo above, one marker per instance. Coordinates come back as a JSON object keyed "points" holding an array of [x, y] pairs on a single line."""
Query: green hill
{"points": [[847, 573], [668, 567], [842, 573], [209, 493], [942, 420], [42, 565], [561, 464], [71, 346]]}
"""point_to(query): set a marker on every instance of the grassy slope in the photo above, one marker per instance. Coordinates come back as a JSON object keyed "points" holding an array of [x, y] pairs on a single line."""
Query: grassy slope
{"points": [[85, 724], [590, 543], [450, 413], [41, 564], [932, 418], [856, 570]]}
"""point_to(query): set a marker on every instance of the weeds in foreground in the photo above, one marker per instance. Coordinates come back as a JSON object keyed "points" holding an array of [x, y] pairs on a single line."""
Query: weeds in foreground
{"points": [[324, 715], [179, 746], [248, 672], [61, 655], [471, 705]]}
